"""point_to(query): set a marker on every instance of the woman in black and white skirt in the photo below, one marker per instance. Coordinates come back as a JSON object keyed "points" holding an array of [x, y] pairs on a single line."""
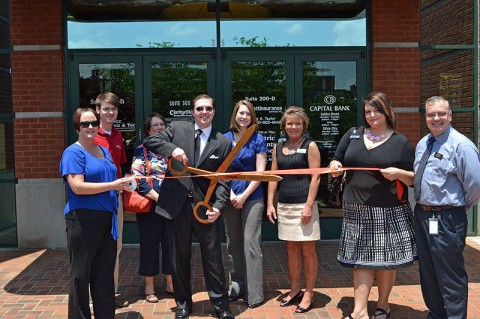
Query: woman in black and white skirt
{"points": [[377, 232], [297, 210]]}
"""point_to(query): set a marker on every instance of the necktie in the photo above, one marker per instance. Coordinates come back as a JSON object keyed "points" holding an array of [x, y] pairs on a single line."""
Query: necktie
{"points": [[196, 150], [417, 181]]}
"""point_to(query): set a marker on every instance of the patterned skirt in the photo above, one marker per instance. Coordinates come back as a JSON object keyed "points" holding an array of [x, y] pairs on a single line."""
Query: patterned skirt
{"points": [[377, 238]]}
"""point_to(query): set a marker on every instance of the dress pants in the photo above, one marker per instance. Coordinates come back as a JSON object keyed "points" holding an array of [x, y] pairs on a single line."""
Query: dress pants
{"points": [[92, 258], [152, 231], [180, 239], [443, 277], [244, 235]]}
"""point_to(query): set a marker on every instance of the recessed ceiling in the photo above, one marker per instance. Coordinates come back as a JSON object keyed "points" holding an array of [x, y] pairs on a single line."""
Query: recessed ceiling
{"points": [[158, 10]]}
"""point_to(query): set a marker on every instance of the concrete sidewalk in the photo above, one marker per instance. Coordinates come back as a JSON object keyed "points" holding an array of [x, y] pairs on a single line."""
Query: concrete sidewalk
{"points": [[34, 284]]}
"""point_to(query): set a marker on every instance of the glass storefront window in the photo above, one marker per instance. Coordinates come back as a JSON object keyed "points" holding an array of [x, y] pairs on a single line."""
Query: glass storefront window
{"points": [[234, 33], [288, 33], [127, 35]]}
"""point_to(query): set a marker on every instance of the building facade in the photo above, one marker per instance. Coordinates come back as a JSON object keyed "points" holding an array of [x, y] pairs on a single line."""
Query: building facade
{"points": [[412, 50]]}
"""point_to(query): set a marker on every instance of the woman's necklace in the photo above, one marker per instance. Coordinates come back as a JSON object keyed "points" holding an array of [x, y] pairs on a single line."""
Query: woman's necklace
{"points": [[372, 137], [293, 147]]}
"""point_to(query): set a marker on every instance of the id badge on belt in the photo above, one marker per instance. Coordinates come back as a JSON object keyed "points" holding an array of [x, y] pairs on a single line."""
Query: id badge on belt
{"points": [[433, 225]]}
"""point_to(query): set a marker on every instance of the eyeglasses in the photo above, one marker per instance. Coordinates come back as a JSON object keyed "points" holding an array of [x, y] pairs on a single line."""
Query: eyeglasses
{"points": [[374, 112], [87, 124], [158, 125], [204, 108], [109, 109], [439, 114]]}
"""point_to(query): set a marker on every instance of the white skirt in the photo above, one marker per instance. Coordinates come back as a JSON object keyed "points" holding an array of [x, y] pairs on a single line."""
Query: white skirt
{"points": [[290, 225]]}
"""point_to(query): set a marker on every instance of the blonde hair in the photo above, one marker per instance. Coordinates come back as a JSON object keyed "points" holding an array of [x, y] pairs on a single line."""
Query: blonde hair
{"points": [[295, 111]]}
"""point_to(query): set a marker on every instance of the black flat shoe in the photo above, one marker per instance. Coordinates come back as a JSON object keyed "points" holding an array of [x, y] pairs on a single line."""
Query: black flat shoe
{"points": [[296, 299], [255, 305], [303, 310]]}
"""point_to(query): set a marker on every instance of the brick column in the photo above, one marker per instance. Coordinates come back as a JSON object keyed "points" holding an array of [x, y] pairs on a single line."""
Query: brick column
{"points": [[395, 36], [39, 127]]}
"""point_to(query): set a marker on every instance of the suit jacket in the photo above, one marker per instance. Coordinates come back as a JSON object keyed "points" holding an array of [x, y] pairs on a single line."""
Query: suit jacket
{"points": [[174, 192]]}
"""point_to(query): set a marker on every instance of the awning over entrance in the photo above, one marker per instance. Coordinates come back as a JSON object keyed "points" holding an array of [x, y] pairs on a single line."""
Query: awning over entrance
{"points": [[157, 10]]}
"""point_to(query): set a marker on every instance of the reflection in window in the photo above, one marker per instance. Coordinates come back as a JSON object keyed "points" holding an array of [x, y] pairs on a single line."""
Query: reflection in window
{"points": [[284, 33], [236, 33], [174, 85]]}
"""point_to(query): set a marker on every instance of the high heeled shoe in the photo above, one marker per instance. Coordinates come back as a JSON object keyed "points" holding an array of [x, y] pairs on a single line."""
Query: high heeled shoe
{"points": [[303, 310], [294, 300]]}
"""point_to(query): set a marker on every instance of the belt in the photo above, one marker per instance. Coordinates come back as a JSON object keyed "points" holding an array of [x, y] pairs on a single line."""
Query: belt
{"points": [[427, 208]]}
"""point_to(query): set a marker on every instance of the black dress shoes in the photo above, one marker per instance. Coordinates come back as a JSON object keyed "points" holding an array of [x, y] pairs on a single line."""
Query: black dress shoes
{"points": [[303, 310], [235, 298], [295, 300], [224, 314], [255, 305], [182, 314]]}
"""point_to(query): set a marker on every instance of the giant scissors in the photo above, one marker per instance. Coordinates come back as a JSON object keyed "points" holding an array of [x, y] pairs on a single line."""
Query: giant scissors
{"points": [[216, 176]]}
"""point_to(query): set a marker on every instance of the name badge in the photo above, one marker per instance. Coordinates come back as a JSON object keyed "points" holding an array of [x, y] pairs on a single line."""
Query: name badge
{"points": [[301, 150], [433, 226], [354, 137], [438, 155]]}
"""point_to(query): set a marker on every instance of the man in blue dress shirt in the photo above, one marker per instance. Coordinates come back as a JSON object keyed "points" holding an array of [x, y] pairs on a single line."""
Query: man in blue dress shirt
{"points": [[447, 184]]}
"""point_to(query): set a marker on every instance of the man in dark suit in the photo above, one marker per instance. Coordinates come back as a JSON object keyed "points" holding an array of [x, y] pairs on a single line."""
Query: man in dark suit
{"points": [[178, 197]]}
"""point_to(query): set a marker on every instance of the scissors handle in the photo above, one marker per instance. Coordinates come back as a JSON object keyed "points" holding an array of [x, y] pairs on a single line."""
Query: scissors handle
{"points": [[173, 170], [197, 215]]}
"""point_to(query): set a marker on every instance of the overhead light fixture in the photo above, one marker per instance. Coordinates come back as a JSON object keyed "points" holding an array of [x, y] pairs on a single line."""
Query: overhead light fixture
{"points": [[177, 3], [202, 11]]}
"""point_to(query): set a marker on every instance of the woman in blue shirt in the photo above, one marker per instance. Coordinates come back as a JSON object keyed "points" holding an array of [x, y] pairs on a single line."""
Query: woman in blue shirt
{"points": [[243, 215], [91, 219]]}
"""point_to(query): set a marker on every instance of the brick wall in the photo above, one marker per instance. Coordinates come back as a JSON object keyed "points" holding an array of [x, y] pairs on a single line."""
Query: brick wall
{"points": [[36, 22], [38, 87], [449, 73], [395, 68]]}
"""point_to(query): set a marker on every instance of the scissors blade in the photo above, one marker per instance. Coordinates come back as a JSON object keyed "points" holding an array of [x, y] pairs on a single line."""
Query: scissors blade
{"points": [[241, 142], [253, 177]]}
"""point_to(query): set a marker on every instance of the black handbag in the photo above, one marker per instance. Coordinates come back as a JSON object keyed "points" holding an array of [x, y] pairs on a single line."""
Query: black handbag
{"points": [[336, 190]]}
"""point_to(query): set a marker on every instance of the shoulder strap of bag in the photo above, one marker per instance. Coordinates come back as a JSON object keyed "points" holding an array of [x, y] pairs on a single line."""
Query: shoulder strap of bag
{"points": [[148, 167]]}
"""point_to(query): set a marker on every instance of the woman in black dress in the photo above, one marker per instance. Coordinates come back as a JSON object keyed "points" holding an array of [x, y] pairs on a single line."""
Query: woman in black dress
{"points": [[377, 232]]}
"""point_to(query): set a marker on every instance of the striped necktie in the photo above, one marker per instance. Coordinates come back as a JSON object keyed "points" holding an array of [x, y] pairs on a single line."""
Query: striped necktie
{"points": [[417, 181]]}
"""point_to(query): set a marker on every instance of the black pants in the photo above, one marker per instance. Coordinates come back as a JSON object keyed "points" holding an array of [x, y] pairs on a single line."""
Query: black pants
{"points": [[180, 231], [152, 231], [92, 258], [443, 277]]}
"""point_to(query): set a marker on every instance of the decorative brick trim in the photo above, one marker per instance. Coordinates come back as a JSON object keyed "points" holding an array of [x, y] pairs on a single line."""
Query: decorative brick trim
{"points": [[396, 44], [37, 115], [52, 47]]}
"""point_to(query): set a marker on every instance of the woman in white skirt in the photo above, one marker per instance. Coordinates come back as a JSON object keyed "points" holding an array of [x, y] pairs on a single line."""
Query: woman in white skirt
{"points": [[297, 211]]}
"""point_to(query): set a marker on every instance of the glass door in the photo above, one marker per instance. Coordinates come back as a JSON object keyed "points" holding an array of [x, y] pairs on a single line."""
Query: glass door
{"points": [[266, 81], [329, 87], [92, 75], [171, 83]]}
